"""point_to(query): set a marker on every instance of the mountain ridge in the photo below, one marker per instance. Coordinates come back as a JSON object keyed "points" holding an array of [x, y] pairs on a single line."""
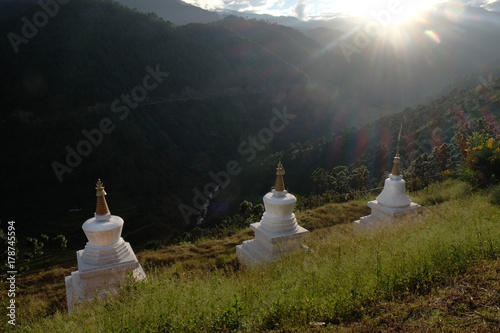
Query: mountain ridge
{"points": [[175, 11]]}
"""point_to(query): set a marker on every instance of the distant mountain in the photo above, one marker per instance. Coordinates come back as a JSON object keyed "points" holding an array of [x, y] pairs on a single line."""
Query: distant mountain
{"points": [[401, 66], [180, 13], [175, 11], [324, 36], [340, 23], [409, 68], [289, 21]]}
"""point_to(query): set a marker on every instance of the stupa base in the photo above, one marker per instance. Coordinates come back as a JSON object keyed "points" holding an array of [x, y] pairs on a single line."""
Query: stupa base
{"points": [[267, 246], [383, 215], [91, 281]]}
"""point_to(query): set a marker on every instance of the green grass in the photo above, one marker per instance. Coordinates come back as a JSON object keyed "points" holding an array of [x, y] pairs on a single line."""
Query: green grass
{"points": [[345, 274], [441, 192], [467, 303], [332, 214], [495, 195]]}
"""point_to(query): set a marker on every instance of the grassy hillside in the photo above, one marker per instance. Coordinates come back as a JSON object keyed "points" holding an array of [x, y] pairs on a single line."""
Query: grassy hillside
{"points": [[421, 273]]}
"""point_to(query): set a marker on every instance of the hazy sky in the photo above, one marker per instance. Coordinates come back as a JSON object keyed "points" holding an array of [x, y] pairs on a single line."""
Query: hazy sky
{"points": [[307, 9]]}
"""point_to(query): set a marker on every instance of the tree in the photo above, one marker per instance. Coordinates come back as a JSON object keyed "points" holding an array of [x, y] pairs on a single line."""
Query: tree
{"points": [[340, 177], [423, 170], [359, 178], [245, 206], [441, 155], [322, 179], [258, 210]]}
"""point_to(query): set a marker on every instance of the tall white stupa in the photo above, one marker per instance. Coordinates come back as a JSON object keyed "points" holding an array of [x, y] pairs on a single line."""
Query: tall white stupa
{"points": [[391, 203], [105, 261], [277, 232]]}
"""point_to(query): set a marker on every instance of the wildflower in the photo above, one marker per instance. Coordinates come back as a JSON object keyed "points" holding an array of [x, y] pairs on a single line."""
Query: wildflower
{"points": [[490, 143]]}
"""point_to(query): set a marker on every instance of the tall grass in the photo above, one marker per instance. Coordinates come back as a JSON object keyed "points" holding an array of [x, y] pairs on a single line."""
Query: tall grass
{"points": [[437, 193], [344, 272]]}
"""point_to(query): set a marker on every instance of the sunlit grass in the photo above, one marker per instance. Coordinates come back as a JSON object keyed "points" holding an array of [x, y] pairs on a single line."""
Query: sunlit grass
{"points": [[441, 192], [333, 214]]}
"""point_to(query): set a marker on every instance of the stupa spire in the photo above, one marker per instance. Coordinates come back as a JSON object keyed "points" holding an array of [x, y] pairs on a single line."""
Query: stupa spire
{"points": [[396, 168], [280, 184], [102, 205]]}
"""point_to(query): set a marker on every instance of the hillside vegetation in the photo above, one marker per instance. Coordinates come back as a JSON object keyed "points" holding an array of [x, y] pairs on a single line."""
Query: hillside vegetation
{"points": [[411, 275]]}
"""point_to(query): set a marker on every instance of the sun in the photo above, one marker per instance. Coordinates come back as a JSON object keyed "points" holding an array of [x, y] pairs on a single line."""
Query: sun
{"points": [[395, 22]]}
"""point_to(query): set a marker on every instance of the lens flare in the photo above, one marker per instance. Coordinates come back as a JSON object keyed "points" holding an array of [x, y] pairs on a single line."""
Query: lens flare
{"points": [[434, 36]]}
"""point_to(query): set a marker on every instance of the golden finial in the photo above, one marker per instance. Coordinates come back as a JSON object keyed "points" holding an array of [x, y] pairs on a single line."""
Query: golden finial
{"points": [[102, 205], [280, 171], [280, 184], [396, 170], [100, 189]]}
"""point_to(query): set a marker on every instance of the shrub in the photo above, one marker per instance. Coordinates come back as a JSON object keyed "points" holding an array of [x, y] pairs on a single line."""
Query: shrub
{"points": [[483, 159]]}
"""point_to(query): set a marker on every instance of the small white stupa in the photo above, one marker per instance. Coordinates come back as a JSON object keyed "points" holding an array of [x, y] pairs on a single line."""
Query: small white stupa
{"points": [[391, 203], [106, 260], [277, 232]]}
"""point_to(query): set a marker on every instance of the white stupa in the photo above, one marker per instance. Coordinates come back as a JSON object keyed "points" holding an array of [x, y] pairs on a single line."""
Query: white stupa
{"points": [[277, 232], [106, 260], [391, 203]]}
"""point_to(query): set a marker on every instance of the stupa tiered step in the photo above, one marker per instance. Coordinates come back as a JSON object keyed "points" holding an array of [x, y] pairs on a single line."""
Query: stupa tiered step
{"points": [[391, 204], [106, 260], [381, 214], [278, 231], [105, 255]]}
